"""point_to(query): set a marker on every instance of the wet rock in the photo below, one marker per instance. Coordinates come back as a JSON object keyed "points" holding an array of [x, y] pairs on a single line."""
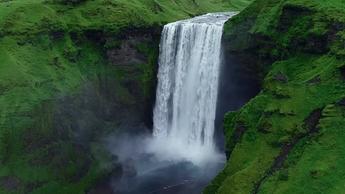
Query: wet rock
{"points": [[127, 52]]}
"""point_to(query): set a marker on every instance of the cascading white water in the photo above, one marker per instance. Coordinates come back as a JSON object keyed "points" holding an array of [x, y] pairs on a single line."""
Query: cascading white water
{"points": [[189, 64]]}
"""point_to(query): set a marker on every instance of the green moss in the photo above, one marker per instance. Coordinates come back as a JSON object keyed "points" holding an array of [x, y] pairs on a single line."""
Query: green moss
{"points": [[300, 38], [315, 165], [34, 74], [28, 16], [47, 52]]}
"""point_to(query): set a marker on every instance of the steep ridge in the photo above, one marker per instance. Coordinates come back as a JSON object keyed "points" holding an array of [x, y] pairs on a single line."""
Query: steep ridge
{"points": [[283, 141]]}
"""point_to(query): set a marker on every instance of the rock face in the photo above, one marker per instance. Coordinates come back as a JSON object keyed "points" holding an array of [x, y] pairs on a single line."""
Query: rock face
{"points": [[99, 94], [114, 101], [126, 53]]}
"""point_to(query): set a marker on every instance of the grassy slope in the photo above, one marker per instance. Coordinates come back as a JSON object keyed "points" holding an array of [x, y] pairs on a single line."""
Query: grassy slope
{"points": [[41, 60], [277, 144], [27, 16]]}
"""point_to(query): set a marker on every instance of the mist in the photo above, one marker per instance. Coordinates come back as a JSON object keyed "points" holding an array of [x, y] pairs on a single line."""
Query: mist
{"points": [[150, 165]]}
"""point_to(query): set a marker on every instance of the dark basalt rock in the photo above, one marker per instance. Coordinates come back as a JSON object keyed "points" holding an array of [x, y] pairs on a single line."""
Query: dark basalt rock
{"points": [[127, 53], [289, 14], [311, 122], [96, 36]]}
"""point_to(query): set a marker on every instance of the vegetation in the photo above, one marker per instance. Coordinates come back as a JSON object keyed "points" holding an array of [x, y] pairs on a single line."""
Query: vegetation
{"points": [[52, 54], [288, 138]]}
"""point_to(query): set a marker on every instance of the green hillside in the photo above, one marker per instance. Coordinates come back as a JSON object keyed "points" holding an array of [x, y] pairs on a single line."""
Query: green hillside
{"points": [[54, 52], [66, 81], [289, 138]]}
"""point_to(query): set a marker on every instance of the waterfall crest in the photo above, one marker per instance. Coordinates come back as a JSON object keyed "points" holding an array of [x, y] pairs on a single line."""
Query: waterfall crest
{"points": [[189, 65]]}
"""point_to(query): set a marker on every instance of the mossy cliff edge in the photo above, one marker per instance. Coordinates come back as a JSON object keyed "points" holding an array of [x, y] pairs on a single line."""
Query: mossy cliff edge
{"points": [[290, 137], [72, 72]]}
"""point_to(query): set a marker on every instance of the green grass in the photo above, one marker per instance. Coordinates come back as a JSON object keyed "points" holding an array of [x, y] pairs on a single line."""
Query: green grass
{"points": [[306, 48], [282, 119], [37, 72], [45, 56], [34, 73], [28, 16], [316, 164]]}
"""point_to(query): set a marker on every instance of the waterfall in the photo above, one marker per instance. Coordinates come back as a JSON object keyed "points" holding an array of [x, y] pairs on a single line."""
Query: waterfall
{"points": [[189, 65]]}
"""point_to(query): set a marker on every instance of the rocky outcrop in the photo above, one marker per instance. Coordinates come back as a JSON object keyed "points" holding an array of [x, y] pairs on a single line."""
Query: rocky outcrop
{"points": [[126, 53]]}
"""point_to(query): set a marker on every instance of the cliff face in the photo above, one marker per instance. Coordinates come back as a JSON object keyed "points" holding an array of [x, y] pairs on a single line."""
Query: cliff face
{"points": [[61, 92], [288, 139], [72, 72]]}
